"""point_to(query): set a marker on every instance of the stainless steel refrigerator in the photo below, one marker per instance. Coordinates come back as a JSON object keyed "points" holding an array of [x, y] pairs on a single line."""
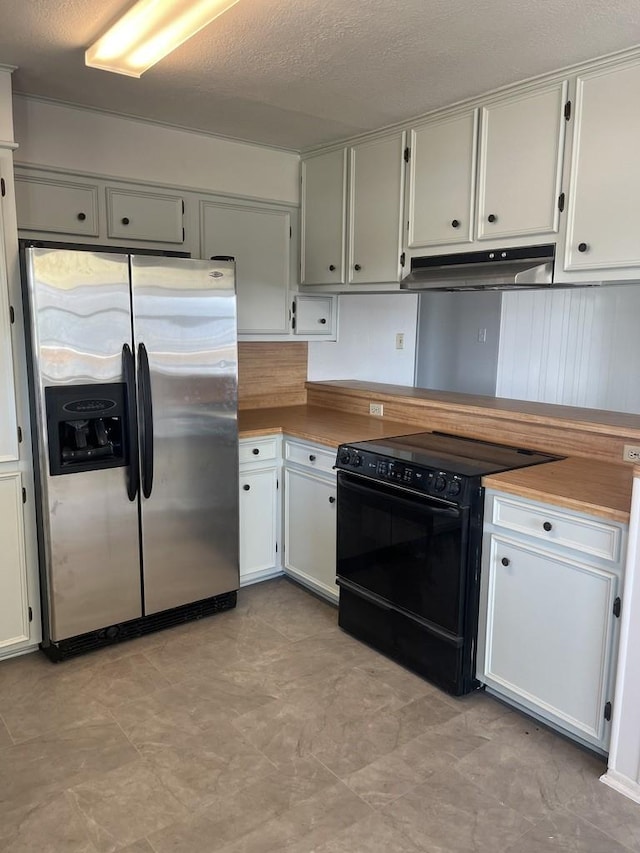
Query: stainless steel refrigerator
{"points": [[134, 400]]}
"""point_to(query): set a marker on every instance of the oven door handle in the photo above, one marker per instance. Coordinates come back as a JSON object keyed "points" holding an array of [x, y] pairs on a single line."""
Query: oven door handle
{"points": [[434, 506]]}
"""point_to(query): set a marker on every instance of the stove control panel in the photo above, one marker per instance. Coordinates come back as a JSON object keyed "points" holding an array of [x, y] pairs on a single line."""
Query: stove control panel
{"points": [[431, 481]]}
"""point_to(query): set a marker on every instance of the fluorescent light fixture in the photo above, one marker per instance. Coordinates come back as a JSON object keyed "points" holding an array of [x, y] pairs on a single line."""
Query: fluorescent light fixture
{"points": [[149, 31]]}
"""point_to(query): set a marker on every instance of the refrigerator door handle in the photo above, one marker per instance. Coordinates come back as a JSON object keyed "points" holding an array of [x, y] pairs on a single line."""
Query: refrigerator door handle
{"points": [[146, 432], [133, 469]]}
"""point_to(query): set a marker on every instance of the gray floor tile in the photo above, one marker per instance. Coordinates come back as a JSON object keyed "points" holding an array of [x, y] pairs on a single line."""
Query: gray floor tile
{"points": [[614, 814], [51, 826], [5, 737], [373, 834], [565, 833]]}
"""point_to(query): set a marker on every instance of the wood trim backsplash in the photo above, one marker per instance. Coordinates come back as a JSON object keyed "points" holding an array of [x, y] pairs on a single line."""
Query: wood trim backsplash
{"points": [[271, 374]]}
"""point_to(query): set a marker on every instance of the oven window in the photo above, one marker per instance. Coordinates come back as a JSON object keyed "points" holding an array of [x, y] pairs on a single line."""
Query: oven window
{"points": [[404, 549]]}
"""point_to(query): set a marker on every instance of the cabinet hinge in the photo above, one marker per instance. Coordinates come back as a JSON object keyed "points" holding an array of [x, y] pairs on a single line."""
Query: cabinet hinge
{"points": [[19, 435], [183, 207], [276, 547], [567, 111], [183, 235], [293, 323], [407, 154], [561, 202], [607, 711], [617, 606], [3, 187], [290, 232], [30, 614], [24, 496], [277, 484], [12, 314], [402, 259]]}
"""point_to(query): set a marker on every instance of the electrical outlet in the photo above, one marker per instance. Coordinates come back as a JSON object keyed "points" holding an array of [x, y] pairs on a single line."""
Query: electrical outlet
{"points": [[377, 409], [400, 340], [631, 453]]}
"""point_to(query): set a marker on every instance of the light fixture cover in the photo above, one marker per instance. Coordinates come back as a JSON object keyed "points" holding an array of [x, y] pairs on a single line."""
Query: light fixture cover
{"points": [[149, 31]]}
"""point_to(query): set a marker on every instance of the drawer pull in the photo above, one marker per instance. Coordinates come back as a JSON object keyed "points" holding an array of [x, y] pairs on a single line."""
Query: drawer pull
{"points": [[547, 526], [125, 220], [246, 487], [332, 500], [505, 561], [82, 216], [322, 320], [312, 457], [256, 451], [332, 267]]}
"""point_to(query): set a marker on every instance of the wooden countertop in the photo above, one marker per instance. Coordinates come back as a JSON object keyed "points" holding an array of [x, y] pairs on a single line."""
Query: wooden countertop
{"points": [[319, 424], [585, 485]]}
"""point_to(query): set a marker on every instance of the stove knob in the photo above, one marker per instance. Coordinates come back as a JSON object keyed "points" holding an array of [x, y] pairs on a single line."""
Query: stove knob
{"points": [[440, 484], [357, 461], [455, 487], [345, 457]]}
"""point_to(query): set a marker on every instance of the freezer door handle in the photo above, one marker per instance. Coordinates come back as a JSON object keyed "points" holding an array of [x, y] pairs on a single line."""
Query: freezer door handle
{"points": [[146, 431], [133, 468]]}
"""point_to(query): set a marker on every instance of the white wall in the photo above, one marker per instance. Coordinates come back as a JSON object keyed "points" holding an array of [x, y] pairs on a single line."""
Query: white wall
{"points": [[366, 345], [81, 140]]}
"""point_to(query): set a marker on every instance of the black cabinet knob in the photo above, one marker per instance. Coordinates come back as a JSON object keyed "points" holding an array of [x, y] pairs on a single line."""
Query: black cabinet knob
{"points": [[492, 217], [332, 500], [547, 526], [332, 267], [582, 247], [357, 267], [455, 223], [82, 216], [312, 457], [125, 220], [255, 451], [322, 321], [505, 561], [246, 487]]}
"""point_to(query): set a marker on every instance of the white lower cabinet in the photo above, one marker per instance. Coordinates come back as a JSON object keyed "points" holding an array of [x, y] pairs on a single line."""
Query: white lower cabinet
{"points": [[310, 517], [259, 507], [14, 602], [548, 627]]}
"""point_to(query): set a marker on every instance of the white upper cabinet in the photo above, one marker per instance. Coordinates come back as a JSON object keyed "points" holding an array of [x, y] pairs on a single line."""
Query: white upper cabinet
{"points": [[603, 223], [442, 170], [259, 238], [520, 164], [58, 206], [375, 210], [324, 199], [135, 215]]}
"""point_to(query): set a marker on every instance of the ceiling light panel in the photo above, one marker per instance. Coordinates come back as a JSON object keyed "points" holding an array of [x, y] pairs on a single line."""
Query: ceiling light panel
{"points": [[149, 31]]}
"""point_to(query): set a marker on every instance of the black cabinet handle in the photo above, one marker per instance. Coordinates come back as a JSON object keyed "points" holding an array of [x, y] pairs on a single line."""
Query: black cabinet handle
{"points": [[312, 457], [357, 267], [322, 320], [582, 247], [505, 561], [492, 217], [332, 500], [255, 451], [547, 526], [332, 267], [246, 487], [455, 223], [82, 216], [125, 220]]}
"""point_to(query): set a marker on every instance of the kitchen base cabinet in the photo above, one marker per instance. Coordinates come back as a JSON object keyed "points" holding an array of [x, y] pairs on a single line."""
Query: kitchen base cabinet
{"points": [[259, 507], [310, 517], [548, 626], [14, 604]]}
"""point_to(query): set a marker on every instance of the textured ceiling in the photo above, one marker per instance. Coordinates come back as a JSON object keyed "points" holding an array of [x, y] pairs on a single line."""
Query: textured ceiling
{"points": [[298, 74]]}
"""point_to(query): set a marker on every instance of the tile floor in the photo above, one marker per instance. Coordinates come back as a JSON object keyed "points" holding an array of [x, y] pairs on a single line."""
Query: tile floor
{"points": [[268, 729]]}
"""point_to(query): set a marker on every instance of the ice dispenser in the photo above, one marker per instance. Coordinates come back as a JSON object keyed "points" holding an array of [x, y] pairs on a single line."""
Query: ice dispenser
{"points": [[86, 427]]}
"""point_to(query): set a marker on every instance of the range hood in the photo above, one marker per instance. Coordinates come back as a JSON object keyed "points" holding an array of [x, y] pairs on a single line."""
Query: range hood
{"points": [[494, 269]]}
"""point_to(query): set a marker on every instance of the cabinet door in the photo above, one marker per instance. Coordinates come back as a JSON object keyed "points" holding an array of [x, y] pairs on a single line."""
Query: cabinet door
{"points": [[144, 216], [9, 450], [520, 167], [603, 214], [375, 219], [258, 519], [260, 241], [310, 530], [60, 207], [314, 315], [324, 198], [14, 605], [548, 637], [442, 171]]}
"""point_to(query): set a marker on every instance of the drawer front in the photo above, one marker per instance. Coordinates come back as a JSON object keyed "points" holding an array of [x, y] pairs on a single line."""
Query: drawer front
{"points": [[144, 216], [555, 527], [60, 207], [257, 450], [310, 455]]}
